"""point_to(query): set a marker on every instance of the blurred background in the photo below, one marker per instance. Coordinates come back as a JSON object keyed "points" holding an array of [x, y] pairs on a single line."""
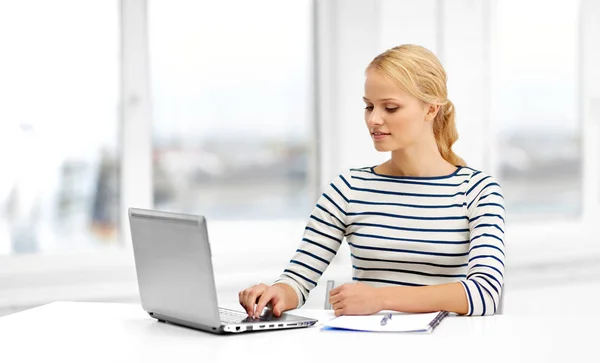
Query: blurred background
{"points": [[243, 111]]}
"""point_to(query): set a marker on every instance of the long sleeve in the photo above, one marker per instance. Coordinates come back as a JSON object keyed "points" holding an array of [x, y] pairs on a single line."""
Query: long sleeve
{"points": [[322, 238], [486, 212]]}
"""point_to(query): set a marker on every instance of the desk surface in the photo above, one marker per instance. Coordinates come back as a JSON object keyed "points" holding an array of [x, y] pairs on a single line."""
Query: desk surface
{"points": [[110, 332]]}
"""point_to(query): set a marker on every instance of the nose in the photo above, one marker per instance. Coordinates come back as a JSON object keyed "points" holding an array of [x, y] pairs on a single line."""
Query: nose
{"points": [[374, 119]]}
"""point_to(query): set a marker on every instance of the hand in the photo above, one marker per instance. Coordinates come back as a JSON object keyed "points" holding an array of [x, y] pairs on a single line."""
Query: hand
{"points": [[261, 295], [355, 299]]}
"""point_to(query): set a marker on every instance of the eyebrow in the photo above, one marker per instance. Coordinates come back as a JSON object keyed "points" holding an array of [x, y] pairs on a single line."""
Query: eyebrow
{"points": [[382, 99]]}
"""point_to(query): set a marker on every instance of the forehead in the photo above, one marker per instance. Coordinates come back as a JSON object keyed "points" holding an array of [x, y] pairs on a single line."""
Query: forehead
{"points": [[379, 85]]}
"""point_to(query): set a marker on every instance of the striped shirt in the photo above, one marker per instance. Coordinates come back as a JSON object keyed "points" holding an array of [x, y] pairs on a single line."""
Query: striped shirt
{"points": [[408, 231]]}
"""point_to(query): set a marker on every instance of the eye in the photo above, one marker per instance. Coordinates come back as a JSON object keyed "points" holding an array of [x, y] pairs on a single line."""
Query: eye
{"points": [[369, 107], [391, 109]]}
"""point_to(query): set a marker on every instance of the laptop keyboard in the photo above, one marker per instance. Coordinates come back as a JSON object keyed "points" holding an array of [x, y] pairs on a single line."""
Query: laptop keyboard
{"points": [[234, 317]]}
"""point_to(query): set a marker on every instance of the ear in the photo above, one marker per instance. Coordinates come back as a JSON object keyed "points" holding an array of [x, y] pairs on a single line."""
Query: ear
{"points": [[431, 111]]}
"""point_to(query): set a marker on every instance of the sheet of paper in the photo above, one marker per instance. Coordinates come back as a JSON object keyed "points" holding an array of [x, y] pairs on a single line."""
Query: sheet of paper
{"points": [[398, 323]]}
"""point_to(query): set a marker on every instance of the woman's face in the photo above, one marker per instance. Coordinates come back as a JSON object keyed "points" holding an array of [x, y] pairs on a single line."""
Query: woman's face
{"points": [[395, 118]]}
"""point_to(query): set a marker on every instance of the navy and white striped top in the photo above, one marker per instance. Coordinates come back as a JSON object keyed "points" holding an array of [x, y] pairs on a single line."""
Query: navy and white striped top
{"points": [[411, 231]]}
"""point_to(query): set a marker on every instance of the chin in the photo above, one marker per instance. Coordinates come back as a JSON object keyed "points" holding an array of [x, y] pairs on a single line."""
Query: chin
{"points": [[382, 148]]}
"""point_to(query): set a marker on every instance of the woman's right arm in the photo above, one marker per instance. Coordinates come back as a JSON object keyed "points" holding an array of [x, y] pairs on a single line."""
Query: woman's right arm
{"points": [[322, 238]]}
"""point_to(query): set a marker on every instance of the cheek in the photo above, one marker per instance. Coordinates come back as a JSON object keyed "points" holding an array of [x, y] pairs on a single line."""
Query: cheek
{"points": [[406, 127], [402, 123]]}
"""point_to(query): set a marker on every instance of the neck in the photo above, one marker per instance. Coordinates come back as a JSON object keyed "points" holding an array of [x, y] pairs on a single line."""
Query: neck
{"points": [[419, 160]]}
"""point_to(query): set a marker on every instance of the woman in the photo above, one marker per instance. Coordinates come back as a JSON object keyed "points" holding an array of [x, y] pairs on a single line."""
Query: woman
{"points": [[425, 231]]}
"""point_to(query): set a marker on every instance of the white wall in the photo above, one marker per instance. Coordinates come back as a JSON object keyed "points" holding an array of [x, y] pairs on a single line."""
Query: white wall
{"points": [[408, 22]]}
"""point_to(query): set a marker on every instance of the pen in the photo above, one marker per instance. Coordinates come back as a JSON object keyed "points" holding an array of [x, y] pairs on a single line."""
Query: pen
{"points": [[385, 319]]}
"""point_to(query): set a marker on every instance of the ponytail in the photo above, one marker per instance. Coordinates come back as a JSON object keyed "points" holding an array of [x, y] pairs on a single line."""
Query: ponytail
{"points": [[444, 130]]}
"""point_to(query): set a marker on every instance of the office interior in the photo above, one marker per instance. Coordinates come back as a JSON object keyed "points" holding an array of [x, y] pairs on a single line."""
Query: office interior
{"points": [[243, 111]]}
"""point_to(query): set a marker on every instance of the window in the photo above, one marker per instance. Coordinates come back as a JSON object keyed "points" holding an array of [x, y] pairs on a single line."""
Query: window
{"points": [[58, 136], [537, 115], [232, 108]]}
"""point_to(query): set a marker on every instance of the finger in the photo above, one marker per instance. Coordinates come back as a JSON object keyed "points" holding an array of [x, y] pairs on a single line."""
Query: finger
{"points": [[335, 291], [246, 292], [338, 290], [336, 298], [243, 297], [243, 301], [338, 305], [262, 302], [251, 300], [339, 312], [260, 289]]}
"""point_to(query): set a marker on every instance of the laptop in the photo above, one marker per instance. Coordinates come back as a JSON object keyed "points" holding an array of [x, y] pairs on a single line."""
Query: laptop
{"points": [[175, 276]]}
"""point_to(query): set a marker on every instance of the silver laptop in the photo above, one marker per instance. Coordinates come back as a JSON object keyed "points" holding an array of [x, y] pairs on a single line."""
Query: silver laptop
{"points": [[175, 276]]}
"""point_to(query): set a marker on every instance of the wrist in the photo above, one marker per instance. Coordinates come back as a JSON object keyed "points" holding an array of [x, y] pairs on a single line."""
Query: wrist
{"points": [[291, 297], [382, 298], [395, 297]]}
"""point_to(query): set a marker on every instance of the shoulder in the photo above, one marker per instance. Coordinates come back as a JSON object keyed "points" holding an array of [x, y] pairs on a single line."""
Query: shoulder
{"points": [[348, 179], [480, 184], [350, 176], [478, 178], [359, 173]]}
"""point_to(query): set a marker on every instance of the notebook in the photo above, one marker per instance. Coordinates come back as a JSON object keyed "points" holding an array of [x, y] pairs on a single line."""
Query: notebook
{"points": [[398, 323]]}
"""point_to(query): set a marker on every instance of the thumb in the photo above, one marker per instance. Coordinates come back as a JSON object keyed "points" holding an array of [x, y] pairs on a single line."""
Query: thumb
{"points": [[278, 306]]}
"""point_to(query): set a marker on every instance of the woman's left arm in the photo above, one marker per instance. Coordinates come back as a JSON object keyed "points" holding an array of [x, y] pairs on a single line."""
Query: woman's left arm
{"points": [[424, 299], [485, 276], [479, 293], [362, 299]]}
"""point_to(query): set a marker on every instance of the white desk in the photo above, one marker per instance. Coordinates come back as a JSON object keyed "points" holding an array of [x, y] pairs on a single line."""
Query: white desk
{"points": [[109, 332]]}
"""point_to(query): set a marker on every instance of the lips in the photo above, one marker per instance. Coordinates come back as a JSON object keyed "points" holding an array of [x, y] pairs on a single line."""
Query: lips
{"points": [[379, 136]]}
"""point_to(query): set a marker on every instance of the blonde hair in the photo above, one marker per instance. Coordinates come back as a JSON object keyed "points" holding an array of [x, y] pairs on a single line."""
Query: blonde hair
{"points": [[419, 72]]}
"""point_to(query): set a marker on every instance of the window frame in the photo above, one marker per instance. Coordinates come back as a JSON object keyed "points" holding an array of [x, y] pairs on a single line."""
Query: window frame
{"points": [[589, 107]]}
